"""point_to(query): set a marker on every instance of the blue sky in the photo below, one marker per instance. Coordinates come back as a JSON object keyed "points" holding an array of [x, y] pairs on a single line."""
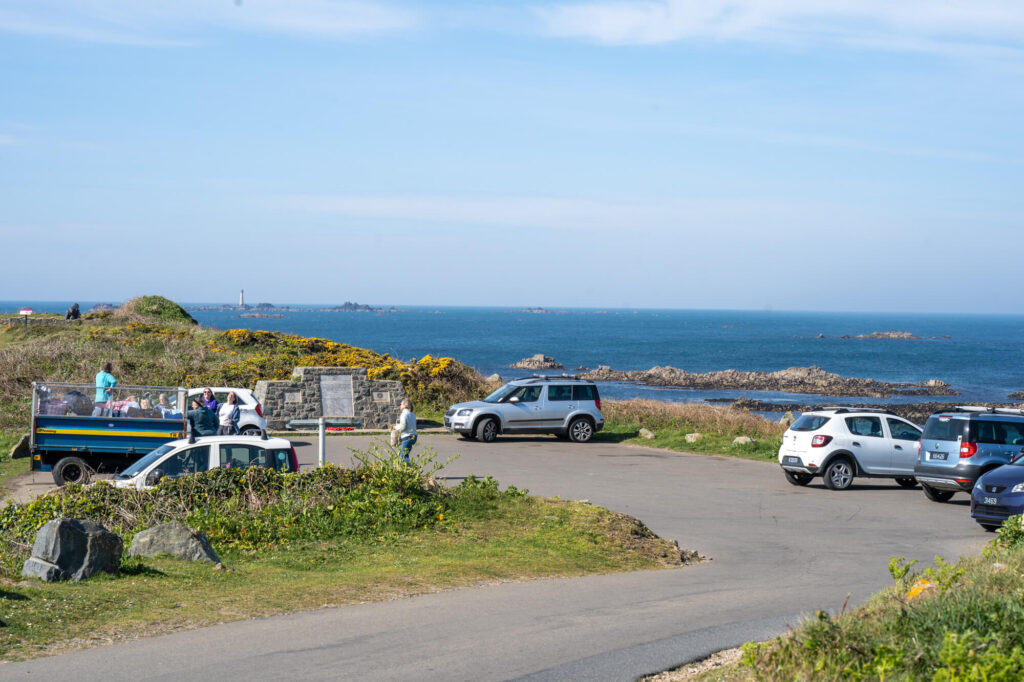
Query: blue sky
{"points": [[785, 154]]}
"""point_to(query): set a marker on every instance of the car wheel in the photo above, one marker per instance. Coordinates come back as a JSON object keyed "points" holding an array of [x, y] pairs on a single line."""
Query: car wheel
{"points": [[250, 430], [487, 430], [838, 474], [936, 495], [906, 481], [71, 470], [797, 478], [580, 430], [989, 528]]}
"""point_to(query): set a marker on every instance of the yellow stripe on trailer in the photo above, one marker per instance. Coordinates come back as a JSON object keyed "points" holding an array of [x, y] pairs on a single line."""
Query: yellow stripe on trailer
{"points": [[166, 435]]}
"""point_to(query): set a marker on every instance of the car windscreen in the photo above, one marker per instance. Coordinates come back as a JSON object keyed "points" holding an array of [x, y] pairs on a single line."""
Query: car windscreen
{"points": [[141, 464], [809, 422], [500, 394], [944, 427]]}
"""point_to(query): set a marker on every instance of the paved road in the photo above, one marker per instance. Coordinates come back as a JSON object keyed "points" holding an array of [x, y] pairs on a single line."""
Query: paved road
{"points": [[778, 552]]}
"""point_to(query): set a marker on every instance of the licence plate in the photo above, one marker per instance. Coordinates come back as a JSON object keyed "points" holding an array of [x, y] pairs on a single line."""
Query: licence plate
{"points": [[792, 460], [990, 500], [938, 455]]}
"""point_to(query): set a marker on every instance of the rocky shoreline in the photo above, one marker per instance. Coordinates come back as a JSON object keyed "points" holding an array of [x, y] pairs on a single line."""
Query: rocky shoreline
{"points": [[915, 412], [792, 380]]}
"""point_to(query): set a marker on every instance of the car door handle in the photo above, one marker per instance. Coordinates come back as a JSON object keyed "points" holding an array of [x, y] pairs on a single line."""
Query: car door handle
{"points": [[856, 443], [898, 447]]}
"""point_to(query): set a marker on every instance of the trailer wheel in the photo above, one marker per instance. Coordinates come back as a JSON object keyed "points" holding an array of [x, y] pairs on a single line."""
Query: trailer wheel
{"points": [[71, 470]]}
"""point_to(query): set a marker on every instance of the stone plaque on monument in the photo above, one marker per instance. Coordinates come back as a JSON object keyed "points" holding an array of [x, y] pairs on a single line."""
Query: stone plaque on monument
{"points": [[293, 397], [382, 396], [336, 395]]}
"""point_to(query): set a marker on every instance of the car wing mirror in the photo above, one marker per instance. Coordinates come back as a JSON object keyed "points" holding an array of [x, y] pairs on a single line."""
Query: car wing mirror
{"points": [[514, 399], [154, 476]]}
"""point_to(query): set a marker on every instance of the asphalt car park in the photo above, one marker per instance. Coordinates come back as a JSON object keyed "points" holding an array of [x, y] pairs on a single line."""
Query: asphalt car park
{"points": [[777, 553]]}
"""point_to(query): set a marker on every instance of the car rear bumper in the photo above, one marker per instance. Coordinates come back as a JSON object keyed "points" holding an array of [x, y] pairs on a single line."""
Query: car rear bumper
{"points": [[959, 478], [797, 465]]}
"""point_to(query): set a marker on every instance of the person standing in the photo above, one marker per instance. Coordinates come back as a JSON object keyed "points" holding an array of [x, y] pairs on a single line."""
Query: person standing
{"points": [[204, 422], [105, 382], [209, 401], [227, 416], [406, 428]]}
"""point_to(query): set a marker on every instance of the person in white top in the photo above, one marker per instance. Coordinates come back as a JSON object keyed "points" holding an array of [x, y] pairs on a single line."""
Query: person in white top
{"points": [[227, 416], [406, 428]]}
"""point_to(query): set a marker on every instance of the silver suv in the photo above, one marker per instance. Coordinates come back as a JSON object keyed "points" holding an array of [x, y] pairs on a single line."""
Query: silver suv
{"points": [[563, 405], [960, 445], [840, 443]]}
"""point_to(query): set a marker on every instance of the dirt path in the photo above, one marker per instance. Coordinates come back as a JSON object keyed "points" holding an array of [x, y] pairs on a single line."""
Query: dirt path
{"points": [[26, 487]]}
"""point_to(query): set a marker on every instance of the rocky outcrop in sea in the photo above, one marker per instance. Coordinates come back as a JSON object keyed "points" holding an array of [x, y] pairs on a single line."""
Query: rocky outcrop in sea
{"points": [[538, 361], [792, 380]]}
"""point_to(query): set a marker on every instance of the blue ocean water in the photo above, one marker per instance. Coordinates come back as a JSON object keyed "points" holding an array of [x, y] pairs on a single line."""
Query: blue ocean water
{"points": [[983, 356]]}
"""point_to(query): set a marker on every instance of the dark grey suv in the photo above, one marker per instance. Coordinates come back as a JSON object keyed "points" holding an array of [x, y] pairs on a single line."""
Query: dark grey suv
{"points": [[960, 445], [563, 405]]}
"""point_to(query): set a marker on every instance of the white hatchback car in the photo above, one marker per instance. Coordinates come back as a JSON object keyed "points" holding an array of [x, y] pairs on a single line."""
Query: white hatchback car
{"points": [[840, 443], [250, 418], [183, 457]]}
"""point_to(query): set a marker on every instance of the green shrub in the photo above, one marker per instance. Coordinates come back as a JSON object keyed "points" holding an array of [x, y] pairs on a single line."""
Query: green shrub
{"points": [[380, 499]]}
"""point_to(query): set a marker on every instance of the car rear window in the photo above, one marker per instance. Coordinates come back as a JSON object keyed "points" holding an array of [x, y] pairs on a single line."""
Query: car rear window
{"points": [[996, 432], [944, 428], [809, 422], [585, 392]]}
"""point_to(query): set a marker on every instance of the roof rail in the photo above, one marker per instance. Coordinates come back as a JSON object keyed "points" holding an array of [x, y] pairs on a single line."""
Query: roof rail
{"points": [[988, 410], [549, 377], [846, 409]]}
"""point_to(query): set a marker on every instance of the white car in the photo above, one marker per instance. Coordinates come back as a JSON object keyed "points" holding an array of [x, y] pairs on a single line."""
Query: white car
{"points": [[840, 443], [250, 418], [190, 456]]}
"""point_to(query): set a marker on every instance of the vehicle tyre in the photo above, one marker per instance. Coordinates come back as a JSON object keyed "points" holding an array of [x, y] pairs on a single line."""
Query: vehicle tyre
{"points": [[838, 475], [906, 481], [580, 430], [250, 430], [487, 430], [989, 528], [71, 470], [797, 478], [936, 495]]}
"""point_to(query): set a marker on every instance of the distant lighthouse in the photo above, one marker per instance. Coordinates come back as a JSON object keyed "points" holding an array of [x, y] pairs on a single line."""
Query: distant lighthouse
{"points": [[241, 298]]}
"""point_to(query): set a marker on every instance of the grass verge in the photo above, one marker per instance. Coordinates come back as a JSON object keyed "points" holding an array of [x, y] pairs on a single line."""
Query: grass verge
{"points": [[671, 422], [10, 468], [299, 541]]}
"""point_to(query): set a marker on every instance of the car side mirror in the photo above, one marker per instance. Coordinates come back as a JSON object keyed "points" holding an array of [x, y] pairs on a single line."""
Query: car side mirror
{"points": [[514, 399], [154, 476]]}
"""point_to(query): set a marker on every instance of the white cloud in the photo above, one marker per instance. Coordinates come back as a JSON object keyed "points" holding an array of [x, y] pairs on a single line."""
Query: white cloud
{"points": [[555, 212], [7, 140], [169, 22], [903, 24]]}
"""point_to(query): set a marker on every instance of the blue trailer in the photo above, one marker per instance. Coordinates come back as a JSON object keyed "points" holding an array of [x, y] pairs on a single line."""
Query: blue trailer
{"points": [[75, 435]]}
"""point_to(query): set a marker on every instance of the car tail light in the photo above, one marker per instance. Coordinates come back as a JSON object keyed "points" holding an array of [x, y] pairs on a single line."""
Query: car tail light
{"points": [[295, 459], [918, 448], [597, 403], [968, 450], [820, 441], [259, 410]]}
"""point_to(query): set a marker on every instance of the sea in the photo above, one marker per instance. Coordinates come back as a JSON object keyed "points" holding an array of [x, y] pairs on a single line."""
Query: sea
{"points": [[981, 356]]}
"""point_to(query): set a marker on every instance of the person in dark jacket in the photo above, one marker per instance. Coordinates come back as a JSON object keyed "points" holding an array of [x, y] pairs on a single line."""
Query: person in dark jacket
{"points": [[204, 422]]}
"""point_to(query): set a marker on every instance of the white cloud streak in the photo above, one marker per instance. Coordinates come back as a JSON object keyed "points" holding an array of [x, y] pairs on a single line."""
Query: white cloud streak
{"points": [[554, 212], [925, 25], [175, 22]]}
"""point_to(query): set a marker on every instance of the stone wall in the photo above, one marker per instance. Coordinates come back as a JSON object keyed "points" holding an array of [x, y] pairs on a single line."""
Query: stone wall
{"points": [[369, 404]]}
